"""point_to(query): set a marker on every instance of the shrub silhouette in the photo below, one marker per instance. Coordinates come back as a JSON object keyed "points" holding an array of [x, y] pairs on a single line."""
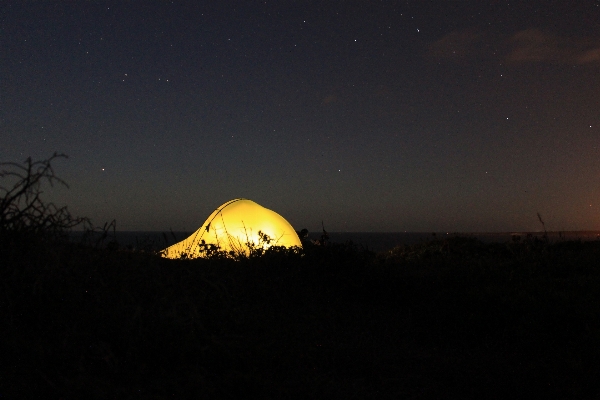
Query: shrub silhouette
{"points": [[23, 212]]}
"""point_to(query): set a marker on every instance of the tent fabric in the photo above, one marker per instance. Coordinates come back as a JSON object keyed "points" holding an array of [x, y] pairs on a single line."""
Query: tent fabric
{"points": [[232, 226]]}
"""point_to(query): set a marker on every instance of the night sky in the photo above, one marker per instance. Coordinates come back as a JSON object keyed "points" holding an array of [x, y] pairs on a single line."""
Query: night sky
{"points": [[367, 115]]}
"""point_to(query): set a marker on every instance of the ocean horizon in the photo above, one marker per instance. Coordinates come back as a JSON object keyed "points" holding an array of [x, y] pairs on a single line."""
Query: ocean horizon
{"points": [[375, 241]]}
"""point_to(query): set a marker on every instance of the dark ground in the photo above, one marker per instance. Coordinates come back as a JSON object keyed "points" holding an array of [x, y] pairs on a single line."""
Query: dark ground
{"points": [[451, 318]]}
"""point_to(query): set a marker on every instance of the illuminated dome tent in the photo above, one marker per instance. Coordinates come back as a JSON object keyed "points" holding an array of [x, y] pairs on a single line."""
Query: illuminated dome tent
{"points": [[232, 226]]}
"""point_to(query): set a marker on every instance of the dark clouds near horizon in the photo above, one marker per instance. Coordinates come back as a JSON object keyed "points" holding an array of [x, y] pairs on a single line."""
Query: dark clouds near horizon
{"points": [[370, 116]]}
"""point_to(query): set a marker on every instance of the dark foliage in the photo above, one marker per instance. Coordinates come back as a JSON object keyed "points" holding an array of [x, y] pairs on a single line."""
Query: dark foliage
{"points": [[456, 318]]}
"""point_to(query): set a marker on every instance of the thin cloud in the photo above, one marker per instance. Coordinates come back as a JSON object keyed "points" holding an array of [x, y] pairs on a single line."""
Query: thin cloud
{"points": [[526, 46], [332, 98], [533, 45], [456, 46], [590, 56]]}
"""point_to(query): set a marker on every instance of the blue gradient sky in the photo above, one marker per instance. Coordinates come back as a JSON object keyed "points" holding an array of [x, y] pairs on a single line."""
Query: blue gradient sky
{"points": [[370, 116]]}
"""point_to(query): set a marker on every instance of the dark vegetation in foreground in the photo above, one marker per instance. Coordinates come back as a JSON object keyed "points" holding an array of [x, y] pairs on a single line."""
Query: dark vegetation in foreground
{"points": [[449, 318]]}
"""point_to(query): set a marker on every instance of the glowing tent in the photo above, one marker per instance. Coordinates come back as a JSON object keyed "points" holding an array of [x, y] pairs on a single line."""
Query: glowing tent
{"points": [[232, 226]]}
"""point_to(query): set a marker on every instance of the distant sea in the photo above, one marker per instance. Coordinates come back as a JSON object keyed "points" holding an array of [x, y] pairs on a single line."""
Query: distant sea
{"points": [[375, 241]]}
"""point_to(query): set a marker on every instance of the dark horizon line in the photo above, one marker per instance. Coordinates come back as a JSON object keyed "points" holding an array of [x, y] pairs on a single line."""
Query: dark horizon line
{"points": [[585, 231]]}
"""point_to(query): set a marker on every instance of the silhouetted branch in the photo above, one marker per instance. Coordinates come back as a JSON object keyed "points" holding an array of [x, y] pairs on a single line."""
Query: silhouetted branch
{"points": [[22, 209]]}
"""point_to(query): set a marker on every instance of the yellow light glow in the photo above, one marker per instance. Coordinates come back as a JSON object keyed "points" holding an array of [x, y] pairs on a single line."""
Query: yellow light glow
{"points": [[232, 226]]}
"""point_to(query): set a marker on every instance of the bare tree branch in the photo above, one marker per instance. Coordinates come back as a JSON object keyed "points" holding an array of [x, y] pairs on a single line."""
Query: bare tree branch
{"points": [[22, 209]]}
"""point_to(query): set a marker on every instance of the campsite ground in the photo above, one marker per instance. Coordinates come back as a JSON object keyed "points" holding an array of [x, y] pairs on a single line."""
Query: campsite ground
{"points": [[446, 318]]}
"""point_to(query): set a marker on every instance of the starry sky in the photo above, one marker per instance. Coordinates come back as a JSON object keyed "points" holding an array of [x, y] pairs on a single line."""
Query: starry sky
{"points": [[383, 116]]}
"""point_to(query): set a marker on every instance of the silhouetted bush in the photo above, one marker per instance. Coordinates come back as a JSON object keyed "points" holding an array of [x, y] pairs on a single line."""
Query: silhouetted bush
{"points": [[23, 212]]}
